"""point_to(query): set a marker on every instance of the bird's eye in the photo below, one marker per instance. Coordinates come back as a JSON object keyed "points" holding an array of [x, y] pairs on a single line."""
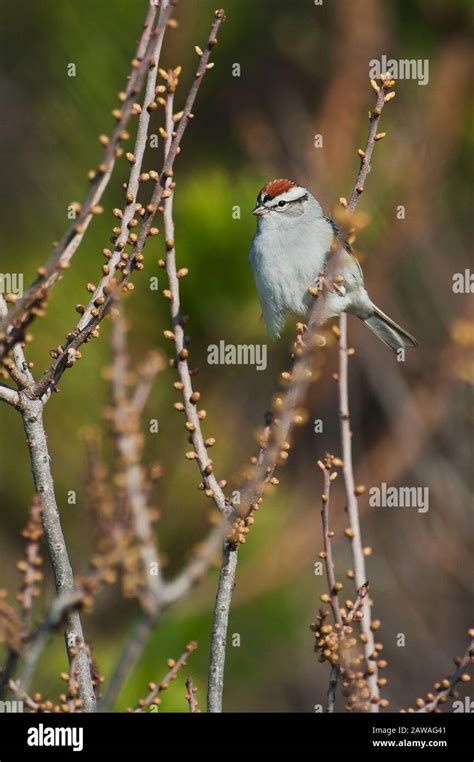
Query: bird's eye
{"points": [[282, 203]]}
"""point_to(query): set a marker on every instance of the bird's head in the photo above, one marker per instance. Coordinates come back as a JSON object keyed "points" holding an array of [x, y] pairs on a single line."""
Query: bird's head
{"points": [[282, 198]]}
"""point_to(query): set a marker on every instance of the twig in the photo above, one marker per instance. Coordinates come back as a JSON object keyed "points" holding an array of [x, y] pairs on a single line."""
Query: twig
{"points": [[445, 687], [155, 689], [331, 578], [84, 330], [360, 574], [191, 697], [32, 302], [19, 691], [190, 397], [219, 627]]}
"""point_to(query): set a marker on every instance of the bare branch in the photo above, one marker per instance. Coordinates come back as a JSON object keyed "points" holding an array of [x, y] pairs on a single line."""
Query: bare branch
{"points": [[190, 397], [32, 414], [360, 574], [445, 687], [191, 697], [155, 689], [219, 627]]}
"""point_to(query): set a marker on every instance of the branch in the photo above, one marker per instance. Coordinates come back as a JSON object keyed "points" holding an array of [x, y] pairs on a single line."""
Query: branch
{"points": [[106, 293], [191, 697], [360, 574], [219, 627], [33, 301], [32, 414], [190, 396], [445, 687], [23, 696], [7, 394], [155, 689], [332, 584]]}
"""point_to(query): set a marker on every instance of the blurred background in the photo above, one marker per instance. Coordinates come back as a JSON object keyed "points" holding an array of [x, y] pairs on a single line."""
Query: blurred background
{"points": [[303, 72]]}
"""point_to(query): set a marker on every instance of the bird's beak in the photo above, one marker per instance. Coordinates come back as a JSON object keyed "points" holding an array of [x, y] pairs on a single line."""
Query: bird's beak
{"points": [[260, 210]]}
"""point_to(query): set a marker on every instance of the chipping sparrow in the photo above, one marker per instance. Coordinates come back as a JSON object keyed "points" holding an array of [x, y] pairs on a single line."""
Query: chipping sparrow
{"points": [[289, 251]]}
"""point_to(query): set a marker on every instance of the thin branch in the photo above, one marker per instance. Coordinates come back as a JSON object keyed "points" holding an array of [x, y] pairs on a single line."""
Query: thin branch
{"points": [[191, 697], [96, 312], [156, 689], [33, 301], [360, 574], [446, 686], [331, 578], [190, 396], [23, 696], [219, 627]]}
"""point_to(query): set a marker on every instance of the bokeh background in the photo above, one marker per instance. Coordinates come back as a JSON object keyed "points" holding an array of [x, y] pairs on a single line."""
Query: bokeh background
{"points": [[303, 71]]}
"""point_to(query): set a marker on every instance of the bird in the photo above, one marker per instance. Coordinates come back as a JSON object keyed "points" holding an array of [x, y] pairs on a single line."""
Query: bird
{"points": [[290, 251]]}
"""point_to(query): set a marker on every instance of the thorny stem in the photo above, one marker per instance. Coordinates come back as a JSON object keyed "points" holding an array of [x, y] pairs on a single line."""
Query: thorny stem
{"points": [[25, 309]]}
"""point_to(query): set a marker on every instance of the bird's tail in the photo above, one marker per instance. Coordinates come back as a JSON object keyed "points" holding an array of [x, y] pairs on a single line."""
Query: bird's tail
{"points": [[392, 335]]}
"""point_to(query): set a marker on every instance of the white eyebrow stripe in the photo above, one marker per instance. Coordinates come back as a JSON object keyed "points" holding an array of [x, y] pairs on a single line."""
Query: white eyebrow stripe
{"points": [[293, 194]]}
